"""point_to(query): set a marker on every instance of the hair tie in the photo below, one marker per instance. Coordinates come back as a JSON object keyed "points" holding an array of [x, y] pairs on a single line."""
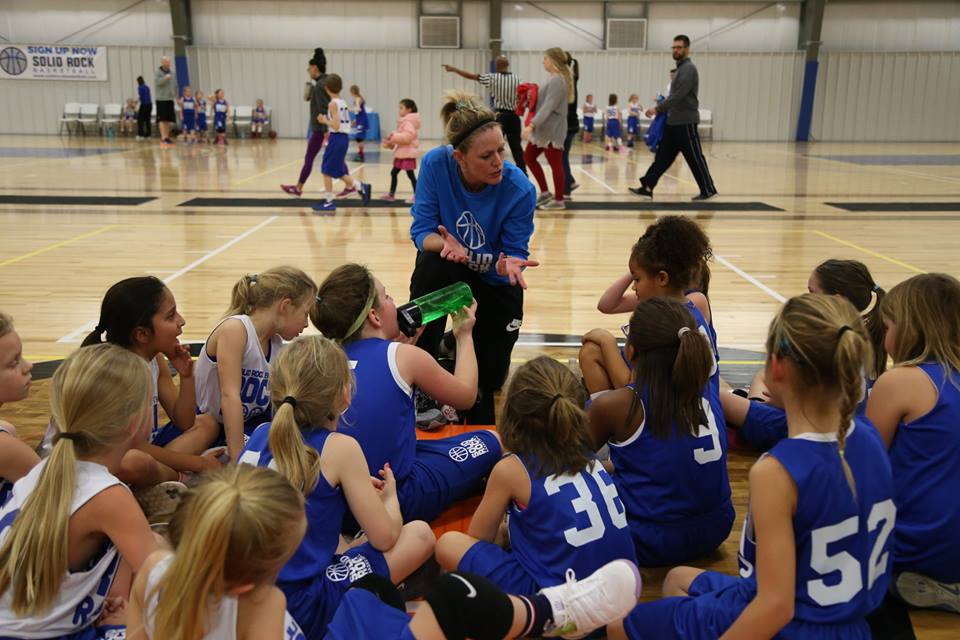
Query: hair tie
{"points": [[66, 435], [876, 288], [99, 329], [682, 331], [555, 398], [319, 299], [843, 330], [290, 400], [253, 278]]}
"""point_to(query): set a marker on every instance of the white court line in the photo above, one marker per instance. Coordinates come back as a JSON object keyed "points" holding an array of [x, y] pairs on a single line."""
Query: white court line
{"points": [[749, 278], [596, 179], [74, 335]]}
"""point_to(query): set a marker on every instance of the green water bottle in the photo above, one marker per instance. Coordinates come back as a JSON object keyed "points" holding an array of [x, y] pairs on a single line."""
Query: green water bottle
{"points": [[437, 304]]}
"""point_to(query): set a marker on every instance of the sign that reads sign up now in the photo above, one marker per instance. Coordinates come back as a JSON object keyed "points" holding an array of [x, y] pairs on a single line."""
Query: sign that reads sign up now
{"points": [[52, 62]]}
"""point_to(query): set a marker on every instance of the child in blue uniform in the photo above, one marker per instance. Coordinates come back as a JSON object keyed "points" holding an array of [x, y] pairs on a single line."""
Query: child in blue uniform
{"points": [[816, 540], [16, 458], [70, 520], [354, 309], [563, 509], [612, 126], [667, 446], [188, 114], [221, 110], [230, 537], [669, 260], [201, 117], [916, 407], [633, 119], [310, 389], [258, 120], [360, 121], [334, 165], [589, 114], [760, 418]]}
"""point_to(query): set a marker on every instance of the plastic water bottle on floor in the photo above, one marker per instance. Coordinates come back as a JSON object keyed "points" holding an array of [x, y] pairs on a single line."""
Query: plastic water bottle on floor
{"points": [[416, 313]]}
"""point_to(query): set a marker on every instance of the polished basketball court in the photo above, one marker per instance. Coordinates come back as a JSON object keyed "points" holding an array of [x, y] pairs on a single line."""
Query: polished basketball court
{"points": [[80, 214]]}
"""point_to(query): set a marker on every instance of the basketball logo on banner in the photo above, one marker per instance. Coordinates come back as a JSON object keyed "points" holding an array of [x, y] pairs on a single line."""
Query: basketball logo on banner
{"points": [[470, 231], [13, 61]]}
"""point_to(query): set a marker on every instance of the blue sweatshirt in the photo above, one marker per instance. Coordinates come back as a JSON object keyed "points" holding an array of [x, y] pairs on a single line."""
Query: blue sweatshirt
{"points": [[498, 218], [144, 92]]}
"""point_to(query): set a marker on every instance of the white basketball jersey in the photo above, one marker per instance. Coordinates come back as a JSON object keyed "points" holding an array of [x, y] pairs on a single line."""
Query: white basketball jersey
{"points": [[82, 593], [254, 371], [222, 624], [46, 445], [344, 112]]}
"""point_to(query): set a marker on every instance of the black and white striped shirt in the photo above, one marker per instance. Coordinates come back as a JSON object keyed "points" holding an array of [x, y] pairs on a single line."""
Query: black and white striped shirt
{"points": [[503, 89]]}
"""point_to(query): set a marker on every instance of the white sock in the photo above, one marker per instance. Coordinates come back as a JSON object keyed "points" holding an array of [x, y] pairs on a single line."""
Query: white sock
{"points": [[329, 196]]}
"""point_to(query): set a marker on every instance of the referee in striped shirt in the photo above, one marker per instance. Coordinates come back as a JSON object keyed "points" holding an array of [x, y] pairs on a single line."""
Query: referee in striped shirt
{"points": [[503, 89]]}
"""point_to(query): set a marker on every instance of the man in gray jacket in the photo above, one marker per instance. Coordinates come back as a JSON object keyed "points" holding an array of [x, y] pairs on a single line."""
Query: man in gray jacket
{"points": [[164, 94], [680, 135]]}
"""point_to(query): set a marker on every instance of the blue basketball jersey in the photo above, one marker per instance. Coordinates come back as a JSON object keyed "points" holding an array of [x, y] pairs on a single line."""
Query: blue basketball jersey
{"points": [[574, 521], [832, 544], [325, 507], [382, 415], [681, 479], [220, 114], [865, 453], [925, 456]]}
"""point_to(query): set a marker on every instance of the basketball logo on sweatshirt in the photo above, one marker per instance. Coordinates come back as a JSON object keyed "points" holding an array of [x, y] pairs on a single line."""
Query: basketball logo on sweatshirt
{"points": [[470, 231]]}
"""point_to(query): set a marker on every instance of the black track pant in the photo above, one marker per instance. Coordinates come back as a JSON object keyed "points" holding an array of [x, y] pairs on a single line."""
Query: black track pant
{"points": [[680, 138], [510, 122]]}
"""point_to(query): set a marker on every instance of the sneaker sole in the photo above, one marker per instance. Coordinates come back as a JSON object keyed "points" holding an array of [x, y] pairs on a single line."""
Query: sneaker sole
{"points": [[927, 593]]}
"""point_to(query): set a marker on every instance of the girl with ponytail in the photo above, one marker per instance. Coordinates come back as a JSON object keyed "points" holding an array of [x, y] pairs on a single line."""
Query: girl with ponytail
{"points": [[70, 521], [816, 544], [140, 315], [16, 458], [233, 369], [230, 537], [546, 484], [668, 452], [310, 387]]}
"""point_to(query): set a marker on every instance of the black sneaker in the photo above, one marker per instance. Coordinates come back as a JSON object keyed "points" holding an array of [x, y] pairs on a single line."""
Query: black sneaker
{"points": [[429, 415], [703, 196], [642, 192]]}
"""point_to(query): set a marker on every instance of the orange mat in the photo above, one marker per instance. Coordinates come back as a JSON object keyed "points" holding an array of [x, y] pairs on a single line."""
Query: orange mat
{"points": [[457, 516]]}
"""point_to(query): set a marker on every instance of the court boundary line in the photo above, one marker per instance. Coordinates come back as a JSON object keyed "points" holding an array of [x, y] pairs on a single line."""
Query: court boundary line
{"points": [[596, 179], [57, 245], [75, 334], [749, 278], [869, 252]]}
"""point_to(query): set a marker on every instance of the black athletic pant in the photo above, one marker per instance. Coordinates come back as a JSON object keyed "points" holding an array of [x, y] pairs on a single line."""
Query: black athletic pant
{"points": [[680, 138], [510, 123], [393, 179], [143, 120], [499, 315]]}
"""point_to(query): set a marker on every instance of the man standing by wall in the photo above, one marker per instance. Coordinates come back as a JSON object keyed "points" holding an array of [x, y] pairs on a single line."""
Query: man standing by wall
{"points": [[503, 89], [165, 92], [680, 135]]}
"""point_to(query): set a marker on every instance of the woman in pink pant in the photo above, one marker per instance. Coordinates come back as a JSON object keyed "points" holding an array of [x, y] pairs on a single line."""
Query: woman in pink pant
{"points": [[548, 129]]}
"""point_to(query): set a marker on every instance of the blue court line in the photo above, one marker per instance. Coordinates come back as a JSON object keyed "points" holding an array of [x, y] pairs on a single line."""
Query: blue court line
{"points": [[897, 159], [52, 152]]}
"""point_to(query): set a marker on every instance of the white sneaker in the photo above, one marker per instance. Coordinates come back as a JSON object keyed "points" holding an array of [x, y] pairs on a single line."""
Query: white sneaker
{"points": [[607, 595], [552, 204], [544, 196], [927, 593]]}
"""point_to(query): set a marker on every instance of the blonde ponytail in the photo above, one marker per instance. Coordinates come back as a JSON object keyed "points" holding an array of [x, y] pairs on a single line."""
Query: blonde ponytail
{"points": [[237, 527], [307, 383], [260, 290], [559, 59], [33, 557]]}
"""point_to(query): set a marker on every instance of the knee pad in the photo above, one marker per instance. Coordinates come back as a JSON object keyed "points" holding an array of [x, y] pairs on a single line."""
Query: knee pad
{"points": [[382, 588], [470, 606]]}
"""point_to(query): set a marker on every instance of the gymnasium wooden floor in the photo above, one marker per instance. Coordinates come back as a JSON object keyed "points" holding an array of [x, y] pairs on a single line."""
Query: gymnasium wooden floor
{"points": [[783, 208]]}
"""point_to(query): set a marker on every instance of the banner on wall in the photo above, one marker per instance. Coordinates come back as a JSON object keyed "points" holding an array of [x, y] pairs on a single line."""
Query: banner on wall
{"points": [[52, 62]]}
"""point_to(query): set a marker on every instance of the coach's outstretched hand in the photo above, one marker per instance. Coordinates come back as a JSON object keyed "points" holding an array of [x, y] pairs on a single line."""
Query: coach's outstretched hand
{"points": [[452, 250], [513, 268]]}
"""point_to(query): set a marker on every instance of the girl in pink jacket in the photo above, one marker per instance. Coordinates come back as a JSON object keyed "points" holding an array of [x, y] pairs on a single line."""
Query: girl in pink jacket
{"points": [[405, 143]]}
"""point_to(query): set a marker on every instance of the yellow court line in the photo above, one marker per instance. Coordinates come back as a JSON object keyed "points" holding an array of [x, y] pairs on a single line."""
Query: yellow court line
{"points": [[258, 175], [899, 263], [57, 245]]}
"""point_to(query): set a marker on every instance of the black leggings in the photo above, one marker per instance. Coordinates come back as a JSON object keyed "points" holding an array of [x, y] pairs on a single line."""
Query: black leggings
{"points": [[393, 179]]}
